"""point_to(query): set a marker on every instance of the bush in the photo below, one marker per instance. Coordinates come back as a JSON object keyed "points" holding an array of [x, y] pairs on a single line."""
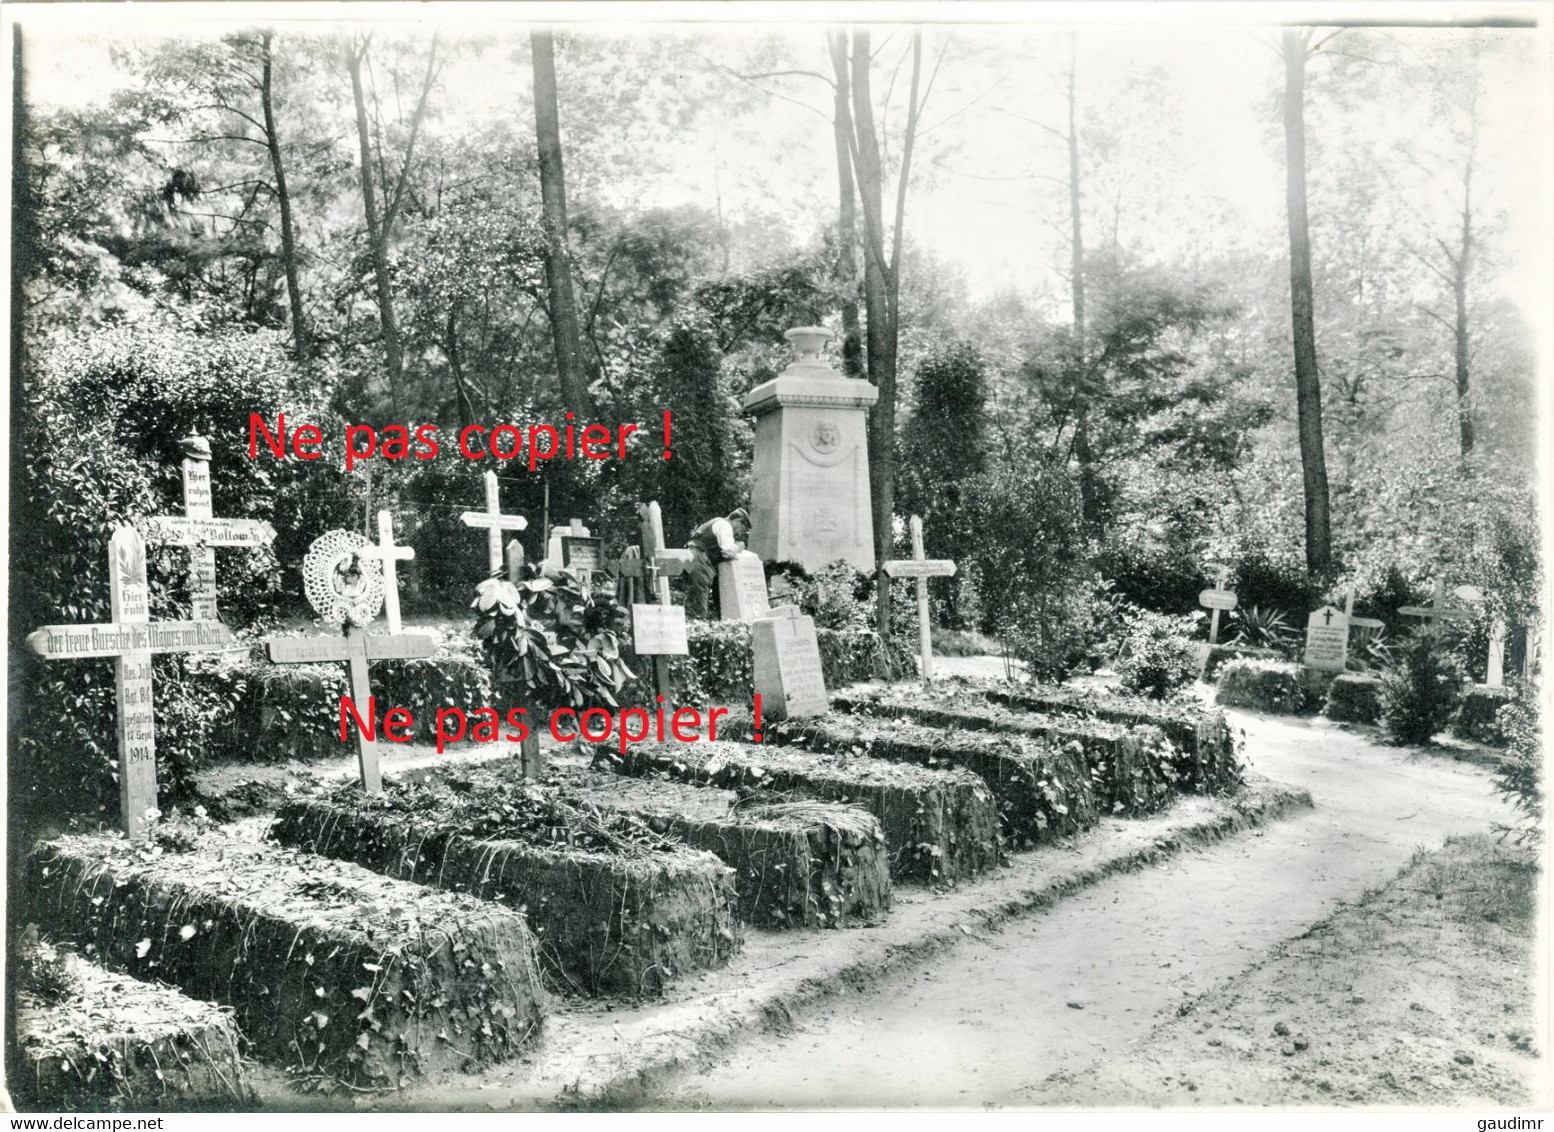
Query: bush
{"points": [[1220, 655], [1158, 655], [1478, 719], [1265, 685], [1352, 698], [1263, 629], [1520, 777], [1420, 692]]}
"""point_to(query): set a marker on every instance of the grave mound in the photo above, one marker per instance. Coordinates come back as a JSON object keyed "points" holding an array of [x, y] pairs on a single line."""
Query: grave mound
{"points": [[796, 864], [1476, 718], [334, 971], [941, 826], [1206, 760], [616, 908], [1354, 698], [92, 1039], [1263, 685], [1043, 790]]}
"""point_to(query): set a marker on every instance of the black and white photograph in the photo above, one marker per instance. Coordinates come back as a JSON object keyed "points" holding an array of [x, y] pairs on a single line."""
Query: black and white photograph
{"points": [[750, 557]]}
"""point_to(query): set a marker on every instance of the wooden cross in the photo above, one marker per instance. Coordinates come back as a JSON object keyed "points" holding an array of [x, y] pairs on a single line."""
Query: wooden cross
{"points": [[199, 530], [1358, 622], [388, 553], [131, 637], [1436, 611], [922, 569], [495, 523], [656, 634], [1219, 598], [357, 649]]}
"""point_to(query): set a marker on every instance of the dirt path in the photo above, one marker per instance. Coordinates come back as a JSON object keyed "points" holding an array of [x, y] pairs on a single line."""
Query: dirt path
{"points": [[1000, 1019]]}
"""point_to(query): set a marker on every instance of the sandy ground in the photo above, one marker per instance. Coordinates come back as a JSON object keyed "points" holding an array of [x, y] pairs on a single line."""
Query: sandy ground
{"points": [[1018, 1017]]}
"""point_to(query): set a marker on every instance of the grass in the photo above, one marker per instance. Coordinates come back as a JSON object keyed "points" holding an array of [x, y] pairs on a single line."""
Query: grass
{"points": [[963, 642], [1478, 879]]}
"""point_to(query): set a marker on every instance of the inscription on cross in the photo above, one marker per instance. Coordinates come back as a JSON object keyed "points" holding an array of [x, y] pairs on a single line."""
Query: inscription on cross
{"points": [[344, 585], [494, 522], [131, 638], [1215, 600], [922, 569], [199, 530], [657, 630]]}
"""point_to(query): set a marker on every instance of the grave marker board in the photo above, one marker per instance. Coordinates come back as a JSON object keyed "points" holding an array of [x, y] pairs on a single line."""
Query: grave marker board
{"points": [[659, 630], [583, 555], [742, 588], [1327, 639], [787, 665]]}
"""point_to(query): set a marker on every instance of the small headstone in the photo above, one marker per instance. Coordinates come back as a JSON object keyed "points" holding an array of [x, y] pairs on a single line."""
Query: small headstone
{"points": [[555, 554], [1327, 639], [787, 665], [742, 588], [583, 556]]}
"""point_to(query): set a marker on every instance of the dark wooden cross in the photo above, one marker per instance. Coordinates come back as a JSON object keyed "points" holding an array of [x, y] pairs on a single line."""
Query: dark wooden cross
{"points": [[131, 637], [655, 633], [199, 530]]}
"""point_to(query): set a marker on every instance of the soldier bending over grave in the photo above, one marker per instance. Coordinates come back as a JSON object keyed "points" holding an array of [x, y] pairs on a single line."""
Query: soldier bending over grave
{"points": [[716, 540]]}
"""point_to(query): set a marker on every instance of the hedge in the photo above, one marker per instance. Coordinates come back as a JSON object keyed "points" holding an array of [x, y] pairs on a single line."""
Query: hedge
{"points": [[1265, 685], [1476, 718], [1354, 698], [1220, 655], [331, 969], [721, 666]]}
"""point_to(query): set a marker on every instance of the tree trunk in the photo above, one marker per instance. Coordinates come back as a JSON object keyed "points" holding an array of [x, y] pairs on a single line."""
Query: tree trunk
{"points": [[1308, 388], [564, 324], [1460, 267], [881, 337], [377, 237], [847, 210], [1089, 507], [456, 367], [299, 330]]}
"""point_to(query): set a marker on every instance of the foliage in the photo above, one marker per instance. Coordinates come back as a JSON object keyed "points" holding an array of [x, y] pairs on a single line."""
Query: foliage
{"points": [[1157, 655], [1520, 776], [550, 641], [1478, 718], [1221, 655], [1353, 698], [1260, 628], [1265, 685], [1028, 563], [1420, 692]]}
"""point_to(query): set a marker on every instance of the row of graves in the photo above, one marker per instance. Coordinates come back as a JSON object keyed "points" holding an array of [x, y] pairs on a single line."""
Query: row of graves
{"points": [[375, 932], [1329, 677]]}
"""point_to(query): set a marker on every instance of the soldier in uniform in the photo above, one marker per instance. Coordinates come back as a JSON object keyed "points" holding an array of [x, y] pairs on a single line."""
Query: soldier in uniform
{"points": [[716, 540]]}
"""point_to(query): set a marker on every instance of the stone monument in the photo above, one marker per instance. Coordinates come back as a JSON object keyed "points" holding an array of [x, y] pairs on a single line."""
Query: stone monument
{"points": [[742, 588], [810, 502]]}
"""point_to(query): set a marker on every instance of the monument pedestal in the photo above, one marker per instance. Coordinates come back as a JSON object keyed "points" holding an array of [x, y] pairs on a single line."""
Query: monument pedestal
{"points": [[810, 502]]}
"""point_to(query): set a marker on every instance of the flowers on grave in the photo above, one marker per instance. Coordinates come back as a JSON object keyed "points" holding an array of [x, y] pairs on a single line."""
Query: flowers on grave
{"points": [[556, 640]]}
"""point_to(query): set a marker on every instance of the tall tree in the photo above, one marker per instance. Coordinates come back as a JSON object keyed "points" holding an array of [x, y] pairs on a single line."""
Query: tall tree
{"points": [[882, 274], [299, 329], [564, 325], [1296, 50], [847, 206], [1088, 502], [380, 224]]}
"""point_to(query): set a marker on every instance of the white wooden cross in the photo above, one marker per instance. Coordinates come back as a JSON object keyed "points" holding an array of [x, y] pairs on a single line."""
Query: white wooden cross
{"points": [[495, 523], [388, 553], [357, 648], [1437, 610], [922, 569], [1217, 599], [131, 637], [200, 531]]}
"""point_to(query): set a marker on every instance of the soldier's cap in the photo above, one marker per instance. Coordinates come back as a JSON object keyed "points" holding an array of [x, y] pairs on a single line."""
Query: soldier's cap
{"points": [[740, 516]]}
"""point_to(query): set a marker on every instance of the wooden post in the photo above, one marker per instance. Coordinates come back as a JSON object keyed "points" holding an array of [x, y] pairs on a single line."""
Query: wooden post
{"points": [[531, 758]]}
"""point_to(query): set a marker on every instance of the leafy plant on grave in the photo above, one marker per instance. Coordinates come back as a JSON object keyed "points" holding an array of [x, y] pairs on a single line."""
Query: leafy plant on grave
{"points": [[1264, 685], [1421, 690], [555, 640], [1519, 778], [1157, 655], [1263, 629]]}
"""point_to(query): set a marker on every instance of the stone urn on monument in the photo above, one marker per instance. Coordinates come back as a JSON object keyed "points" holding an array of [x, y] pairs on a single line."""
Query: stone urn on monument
{"points": [[810, 502]]}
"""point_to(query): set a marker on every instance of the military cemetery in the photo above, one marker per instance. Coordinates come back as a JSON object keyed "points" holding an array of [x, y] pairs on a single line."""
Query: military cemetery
{"points": [[537, 643]]}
